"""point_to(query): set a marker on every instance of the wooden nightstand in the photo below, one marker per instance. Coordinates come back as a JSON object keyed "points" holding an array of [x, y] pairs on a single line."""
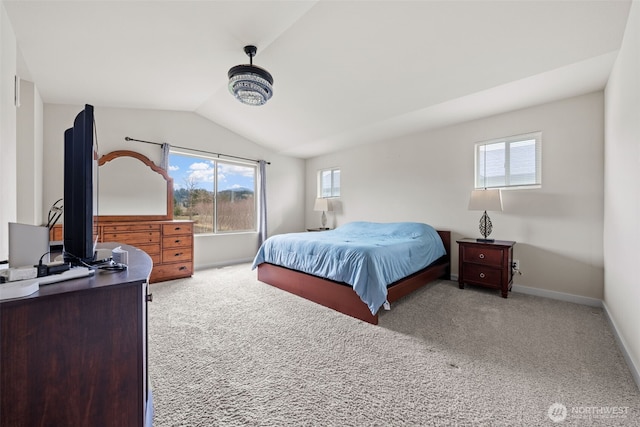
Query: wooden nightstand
{"points": [[486, 264]]}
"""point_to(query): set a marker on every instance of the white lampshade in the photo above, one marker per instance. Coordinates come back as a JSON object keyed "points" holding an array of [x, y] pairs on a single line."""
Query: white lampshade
{"points": [[485, 200], [322, 205]]}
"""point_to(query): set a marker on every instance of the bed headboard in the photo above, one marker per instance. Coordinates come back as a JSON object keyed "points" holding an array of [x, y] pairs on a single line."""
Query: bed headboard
{"points": [[445, 235]]}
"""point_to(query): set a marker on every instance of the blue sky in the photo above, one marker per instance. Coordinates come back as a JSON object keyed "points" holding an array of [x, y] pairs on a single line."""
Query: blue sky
{"points": [[201, 170]]}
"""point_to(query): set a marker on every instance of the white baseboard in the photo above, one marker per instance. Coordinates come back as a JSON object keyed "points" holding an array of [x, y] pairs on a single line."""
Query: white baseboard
{"points": [[593, 302], [546, 293], [622, 345], [223, 264]]}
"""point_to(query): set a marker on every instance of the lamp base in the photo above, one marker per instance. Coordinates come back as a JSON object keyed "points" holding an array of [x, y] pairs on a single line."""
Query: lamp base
{"points": [[481, 240], [485, 228]]}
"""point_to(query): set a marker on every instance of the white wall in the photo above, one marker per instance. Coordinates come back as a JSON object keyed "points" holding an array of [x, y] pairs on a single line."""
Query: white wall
{"points": [[8, 163], [622, 191], [285, 175], [30, 155], [428, 177]]}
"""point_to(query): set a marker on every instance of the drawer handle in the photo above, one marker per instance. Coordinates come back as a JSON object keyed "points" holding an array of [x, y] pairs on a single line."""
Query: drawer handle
{"points": [[177, 229], [177, 241], [178, 254], [182, 268], [481, 256], [482, 275]]}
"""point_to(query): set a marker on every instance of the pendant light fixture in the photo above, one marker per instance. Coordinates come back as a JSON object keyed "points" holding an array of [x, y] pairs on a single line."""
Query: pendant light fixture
{"points": [[250, 84]]}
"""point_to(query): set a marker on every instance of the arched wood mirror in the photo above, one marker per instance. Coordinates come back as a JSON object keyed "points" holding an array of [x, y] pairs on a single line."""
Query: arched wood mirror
{"points": [[133, 188]]}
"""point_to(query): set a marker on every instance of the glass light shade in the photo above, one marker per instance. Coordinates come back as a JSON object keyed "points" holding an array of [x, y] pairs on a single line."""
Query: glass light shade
{"points": [[250, 85]]}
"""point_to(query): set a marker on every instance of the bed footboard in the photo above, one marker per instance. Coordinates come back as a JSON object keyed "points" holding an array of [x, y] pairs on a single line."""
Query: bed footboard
{"points": [[340, 296], [337, 296]]}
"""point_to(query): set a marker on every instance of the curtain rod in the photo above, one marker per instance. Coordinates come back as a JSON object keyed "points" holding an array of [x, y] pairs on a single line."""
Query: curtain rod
{"points": [[126, 138]]}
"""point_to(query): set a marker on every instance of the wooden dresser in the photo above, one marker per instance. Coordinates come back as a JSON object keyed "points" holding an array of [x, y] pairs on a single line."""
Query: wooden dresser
{"points": [[74, 353], [168, 243]]}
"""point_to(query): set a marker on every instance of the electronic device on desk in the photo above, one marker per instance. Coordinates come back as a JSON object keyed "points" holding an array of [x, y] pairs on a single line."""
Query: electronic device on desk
{"points": [[55, 267], [80, 189], [27, 244]]}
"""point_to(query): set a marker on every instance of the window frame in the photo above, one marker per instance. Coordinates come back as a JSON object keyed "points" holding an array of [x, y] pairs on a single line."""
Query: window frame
{"points": [[332, 187], [216, 160], [508, 141]]}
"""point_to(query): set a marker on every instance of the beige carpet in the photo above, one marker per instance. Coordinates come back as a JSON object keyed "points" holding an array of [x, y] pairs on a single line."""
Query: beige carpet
{"points": [[227, 350]]}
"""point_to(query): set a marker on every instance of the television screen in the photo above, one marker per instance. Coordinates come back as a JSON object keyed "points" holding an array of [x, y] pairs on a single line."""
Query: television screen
{"points": [[79, 201]]}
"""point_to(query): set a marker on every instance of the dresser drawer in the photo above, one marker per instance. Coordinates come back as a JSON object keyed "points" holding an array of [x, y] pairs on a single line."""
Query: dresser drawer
{"points": [[482, 275], [177, 228], [56, 233], [178, 241], [155, 258], [176, 254], [133, 239], [171, 271], [483, 255], [168, 243], [118, 228], [153, 251]]}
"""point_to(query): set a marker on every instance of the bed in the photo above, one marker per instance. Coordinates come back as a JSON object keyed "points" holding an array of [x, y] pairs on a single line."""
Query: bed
{"points": [[356, 268]]}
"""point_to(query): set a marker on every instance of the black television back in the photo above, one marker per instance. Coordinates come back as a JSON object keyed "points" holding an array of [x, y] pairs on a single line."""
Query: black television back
{"points": [[78, 189]]}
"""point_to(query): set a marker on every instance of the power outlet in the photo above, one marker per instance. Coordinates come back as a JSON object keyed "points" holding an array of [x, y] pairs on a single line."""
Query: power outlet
{"points": [[515, 264]]}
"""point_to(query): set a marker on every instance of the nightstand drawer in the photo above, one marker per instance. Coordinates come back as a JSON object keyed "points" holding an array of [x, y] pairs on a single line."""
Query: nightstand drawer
{"points": [[482, 275], [483, 255]]}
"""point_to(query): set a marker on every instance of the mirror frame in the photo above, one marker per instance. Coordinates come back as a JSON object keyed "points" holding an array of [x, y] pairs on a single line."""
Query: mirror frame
{"points": [[155, 168]]}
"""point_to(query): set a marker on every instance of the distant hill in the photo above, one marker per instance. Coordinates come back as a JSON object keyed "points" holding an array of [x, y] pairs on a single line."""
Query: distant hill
{"points": [[181, 195]]}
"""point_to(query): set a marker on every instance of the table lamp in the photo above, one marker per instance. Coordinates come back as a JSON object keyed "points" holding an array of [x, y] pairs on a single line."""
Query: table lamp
{"points": [[485, 200], [322, 205]]}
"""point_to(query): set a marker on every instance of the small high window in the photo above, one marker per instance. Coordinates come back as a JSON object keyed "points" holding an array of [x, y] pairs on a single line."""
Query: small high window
{"points": [[329, 183], [513, 161]]}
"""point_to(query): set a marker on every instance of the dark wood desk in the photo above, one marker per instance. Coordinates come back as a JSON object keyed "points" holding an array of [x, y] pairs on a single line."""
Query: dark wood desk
{"points": [[75, 353]]}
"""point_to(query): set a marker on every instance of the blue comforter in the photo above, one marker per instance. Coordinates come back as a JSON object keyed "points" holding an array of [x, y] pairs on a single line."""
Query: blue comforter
{"points": [[368, 256]]}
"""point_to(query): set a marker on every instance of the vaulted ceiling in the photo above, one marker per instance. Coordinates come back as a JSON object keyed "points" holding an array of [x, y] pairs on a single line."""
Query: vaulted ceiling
{"points": [[346, 72]]}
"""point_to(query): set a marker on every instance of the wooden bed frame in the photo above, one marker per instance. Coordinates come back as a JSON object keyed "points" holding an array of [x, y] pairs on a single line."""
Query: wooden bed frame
{"points": [[341, 296]]}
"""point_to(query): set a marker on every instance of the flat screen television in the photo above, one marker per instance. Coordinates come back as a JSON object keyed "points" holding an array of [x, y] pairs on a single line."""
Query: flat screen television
{"points": [[80, 166]]}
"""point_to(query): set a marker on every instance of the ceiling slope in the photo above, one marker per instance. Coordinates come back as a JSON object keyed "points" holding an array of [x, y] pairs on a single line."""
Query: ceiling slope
{"points": [[345, 72]]}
